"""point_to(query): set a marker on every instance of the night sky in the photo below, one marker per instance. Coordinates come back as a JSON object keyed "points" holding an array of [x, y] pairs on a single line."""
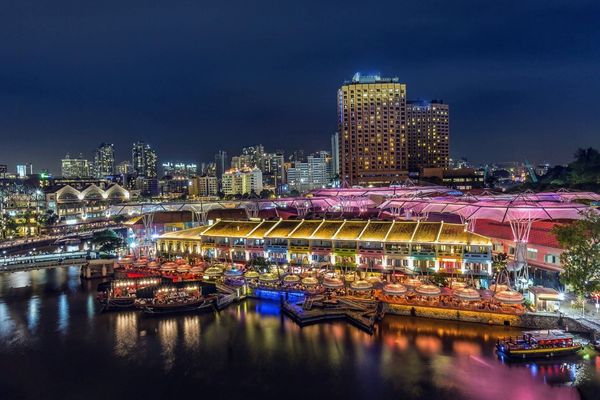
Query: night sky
{"points": [[191, 77]]}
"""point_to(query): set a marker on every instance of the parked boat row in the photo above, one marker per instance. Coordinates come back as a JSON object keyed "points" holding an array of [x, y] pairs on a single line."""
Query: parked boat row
{"points": [[156, 295]]}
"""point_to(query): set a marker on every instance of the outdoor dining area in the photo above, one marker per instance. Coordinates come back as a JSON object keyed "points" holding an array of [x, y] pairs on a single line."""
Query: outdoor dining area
{"points": [[457, 295], [405, 290]]}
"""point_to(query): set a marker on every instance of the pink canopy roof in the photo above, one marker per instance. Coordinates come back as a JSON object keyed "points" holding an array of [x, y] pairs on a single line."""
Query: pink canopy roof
{"points": [[392, 191], [496, 210], [438, 199], [558, 196], [313, 203]]}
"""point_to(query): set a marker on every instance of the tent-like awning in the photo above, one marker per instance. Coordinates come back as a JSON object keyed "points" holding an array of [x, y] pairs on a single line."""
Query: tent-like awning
{"points": [[495, 210]]}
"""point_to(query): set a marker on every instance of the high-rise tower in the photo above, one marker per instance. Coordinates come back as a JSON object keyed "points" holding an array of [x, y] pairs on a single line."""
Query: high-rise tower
{"points": [[427, 134], [144, 160], [104, 160], [372, 130]]}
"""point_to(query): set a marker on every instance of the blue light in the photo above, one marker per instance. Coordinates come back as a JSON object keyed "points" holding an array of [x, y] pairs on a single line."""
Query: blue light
{"points": [[534, 369], [267, 308], [277, 295]]}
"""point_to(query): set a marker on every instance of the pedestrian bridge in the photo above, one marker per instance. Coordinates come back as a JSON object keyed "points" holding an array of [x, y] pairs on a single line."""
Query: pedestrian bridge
{"points": [[25, 263]]}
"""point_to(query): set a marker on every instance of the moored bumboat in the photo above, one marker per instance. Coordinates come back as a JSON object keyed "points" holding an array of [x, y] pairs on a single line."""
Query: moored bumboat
{"points": [[538, 344], [175, 299], [121, 293]]}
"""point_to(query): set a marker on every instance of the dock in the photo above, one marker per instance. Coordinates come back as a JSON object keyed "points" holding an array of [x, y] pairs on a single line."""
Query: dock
{"points": [[229, 295], [312, 311]]}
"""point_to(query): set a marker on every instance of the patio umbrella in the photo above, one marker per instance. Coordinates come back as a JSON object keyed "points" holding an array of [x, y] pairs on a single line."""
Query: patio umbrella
{"points": [[394, 289], [509, 297], [428, 290], [467, 294], [361, 285]]}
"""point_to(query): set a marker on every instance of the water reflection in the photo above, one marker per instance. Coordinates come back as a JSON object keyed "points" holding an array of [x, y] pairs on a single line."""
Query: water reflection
{"points": [[91, 308], [126, 334], [33, 313], [63, 313], [251, 350], [167, 333], [6, 322], [191, 332]]}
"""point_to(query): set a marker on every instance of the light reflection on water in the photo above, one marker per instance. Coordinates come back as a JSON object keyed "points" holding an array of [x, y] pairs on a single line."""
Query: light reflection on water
{"points": [[167, 333], [191, 332], [33, 314], [63, 313], [50, 317], [126, 333]]}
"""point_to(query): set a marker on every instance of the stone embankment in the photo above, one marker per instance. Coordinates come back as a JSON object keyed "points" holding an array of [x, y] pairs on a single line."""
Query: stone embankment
{"points": [[525, 321]]}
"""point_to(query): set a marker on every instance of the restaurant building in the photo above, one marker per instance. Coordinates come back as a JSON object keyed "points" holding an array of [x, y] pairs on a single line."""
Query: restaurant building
{"points": [[409, 246]]}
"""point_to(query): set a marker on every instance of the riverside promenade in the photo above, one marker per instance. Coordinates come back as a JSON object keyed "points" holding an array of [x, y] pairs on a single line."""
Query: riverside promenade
{"points": [[366, 314]]}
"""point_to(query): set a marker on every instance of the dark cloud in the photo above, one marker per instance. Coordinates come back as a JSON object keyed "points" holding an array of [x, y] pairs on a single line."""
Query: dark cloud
{"points": [[191, 77]]}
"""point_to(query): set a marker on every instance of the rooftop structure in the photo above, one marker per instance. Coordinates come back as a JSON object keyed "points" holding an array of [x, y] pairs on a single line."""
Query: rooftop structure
{"points": [[92, 202]]}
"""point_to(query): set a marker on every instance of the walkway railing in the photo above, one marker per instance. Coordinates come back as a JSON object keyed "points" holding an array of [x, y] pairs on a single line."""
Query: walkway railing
{"points": [[12, 264]]}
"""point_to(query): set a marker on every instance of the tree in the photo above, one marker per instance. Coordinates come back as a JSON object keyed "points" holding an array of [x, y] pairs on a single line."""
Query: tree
{"points": [[581, 258], [28, 222], [266, 193], [499, 262], [119, 218], [438, 279], [48, 218], [583, 173], [259, 264], [107, 241], [8, 226]]}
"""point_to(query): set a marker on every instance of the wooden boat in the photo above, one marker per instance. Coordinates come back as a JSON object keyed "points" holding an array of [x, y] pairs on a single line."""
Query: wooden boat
{"points": [[175, 299], [113, 303], [199, 304], [538, 344], [121, 293]]}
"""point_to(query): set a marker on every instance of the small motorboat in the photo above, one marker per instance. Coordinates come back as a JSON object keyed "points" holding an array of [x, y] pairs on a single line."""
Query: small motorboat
{"points": [[539, 344]]}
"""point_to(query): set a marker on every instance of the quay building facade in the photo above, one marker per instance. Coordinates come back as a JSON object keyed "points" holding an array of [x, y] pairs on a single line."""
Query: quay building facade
{"points": [[408, 246]]}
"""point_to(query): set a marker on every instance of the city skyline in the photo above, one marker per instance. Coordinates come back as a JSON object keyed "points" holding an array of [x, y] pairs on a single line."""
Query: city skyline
{"points": [[281, 200], [186, 84]]}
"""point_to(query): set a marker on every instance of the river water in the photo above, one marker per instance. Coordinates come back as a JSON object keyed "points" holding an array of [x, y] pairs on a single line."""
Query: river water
{"points": [[55, 344]]}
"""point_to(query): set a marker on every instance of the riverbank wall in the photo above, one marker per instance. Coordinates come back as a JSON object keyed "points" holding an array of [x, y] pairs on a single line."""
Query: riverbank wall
{"points": [[526, 321]]}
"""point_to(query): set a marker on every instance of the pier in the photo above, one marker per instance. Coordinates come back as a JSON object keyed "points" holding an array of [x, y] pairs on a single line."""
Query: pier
{"points": [[229, 295], [313, 311]]}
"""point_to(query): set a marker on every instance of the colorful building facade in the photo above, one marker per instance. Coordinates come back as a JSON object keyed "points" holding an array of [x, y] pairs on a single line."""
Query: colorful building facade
{"points": [[409, 246]]}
